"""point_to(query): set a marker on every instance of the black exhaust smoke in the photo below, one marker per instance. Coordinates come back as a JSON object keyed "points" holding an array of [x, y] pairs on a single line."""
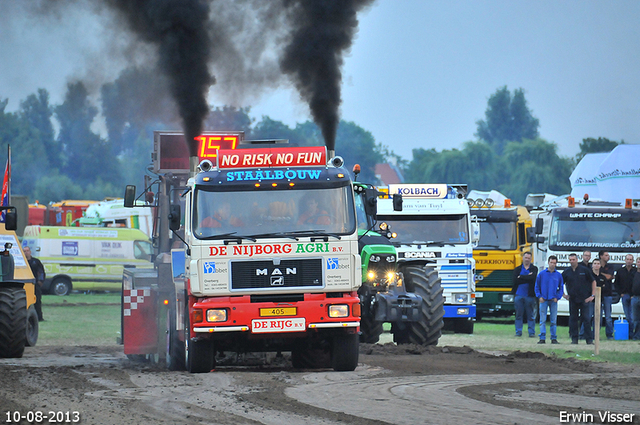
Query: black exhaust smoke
{"points": [[321, 32], [179, 28]]}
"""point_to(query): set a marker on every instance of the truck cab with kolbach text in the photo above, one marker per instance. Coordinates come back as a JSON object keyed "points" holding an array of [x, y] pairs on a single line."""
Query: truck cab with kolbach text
{"points": [[435, 239], [263, 257]]}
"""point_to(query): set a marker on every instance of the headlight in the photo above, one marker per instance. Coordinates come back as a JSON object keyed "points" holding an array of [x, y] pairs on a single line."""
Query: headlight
{"points": [[374, 258], [339, 310], [461, 298], [507, 298], [391, 276], [217, 315], [383, 226], [391, 259], [371, 275], [463, 312]]}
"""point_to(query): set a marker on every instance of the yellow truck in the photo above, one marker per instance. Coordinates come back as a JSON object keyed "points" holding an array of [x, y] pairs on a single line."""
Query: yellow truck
{"points": [[87, 258], [504, 236], [18, 317]]}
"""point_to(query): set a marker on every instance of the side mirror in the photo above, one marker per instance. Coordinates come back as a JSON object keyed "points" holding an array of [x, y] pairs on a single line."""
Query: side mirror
{"points": [[371, 202], [531, 234], [397, 202], [129, 196], [539, 225], [475, 233], [174, 217], [10, 218]]}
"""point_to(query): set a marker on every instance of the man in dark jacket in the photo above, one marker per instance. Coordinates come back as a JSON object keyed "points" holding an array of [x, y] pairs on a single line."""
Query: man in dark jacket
{"points": [[525, 301], [38, 273], [623, 283], [635, 303], [606, 288], [581, 290]]}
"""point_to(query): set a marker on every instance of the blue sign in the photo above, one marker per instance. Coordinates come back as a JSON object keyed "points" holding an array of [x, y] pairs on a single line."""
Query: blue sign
{"points": [[333, 264], [263, 175], [70, 248]]}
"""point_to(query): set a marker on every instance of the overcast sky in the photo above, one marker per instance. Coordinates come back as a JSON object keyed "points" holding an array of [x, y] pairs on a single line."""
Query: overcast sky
{"points": [[419, 73]]}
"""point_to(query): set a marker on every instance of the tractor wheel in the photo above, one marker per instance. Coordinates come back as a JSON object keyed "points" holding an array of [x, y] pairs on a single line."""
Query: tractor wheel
{"points": [[370, 329], [175, 347], [13, 322], [32, 326], [199, 355], [344, 352], [423, 281]]}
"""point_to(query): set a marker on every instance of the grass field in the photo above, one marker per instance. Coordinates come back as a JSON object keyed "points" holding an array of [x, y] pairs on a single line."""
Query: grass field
{"points": [[94, 319]]}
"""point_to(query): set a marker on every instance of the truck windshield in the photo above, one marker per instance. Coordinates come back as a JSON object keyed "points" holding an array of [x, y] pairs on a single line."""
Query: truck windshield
{"points": [[414, 229], [497, 236], [584, 231], [274, 213]]}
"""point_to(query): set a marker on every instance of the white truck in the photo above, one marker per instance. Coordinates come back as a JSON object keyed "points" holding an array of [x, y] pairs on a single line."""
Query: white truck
{"points": [[435, 240], [263, 257], [567, 226]]}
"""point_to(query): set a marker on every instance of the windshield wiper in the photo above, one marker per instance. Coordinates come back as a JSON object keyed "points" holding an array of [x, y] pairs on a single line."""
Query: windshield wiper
{"points": [[228, 236], [427, 243], [491, 246], [312, 233], [277, 234]]}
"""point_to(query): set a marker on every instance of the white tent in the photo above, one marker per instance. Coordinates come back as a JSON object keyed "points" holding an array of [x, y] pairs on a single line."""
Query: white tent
{"points": [[618, 176], [583, 179]]}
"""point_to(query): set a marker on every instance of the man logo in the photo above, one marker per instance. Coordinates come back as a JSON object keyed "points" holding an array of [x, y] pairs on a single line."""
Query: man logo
{"points": [[332, 264], [265, 272], [277, 280], [209, 267]]}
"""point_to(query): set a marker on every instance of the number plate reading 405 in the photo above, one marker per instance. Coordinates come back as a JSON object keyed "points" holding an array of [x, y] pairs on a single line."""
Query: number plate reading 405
{"points": [[278, 311], [294, 324]]}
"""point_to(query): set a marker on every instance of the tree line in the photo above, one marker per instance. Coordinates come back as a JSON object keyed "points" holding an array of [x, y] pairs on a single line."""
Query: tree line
{"points": [[57, 152]]}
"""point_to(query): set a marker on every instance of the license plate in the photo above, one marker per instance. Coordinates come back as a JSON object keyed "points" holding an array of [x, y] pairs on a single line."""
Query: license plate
{"points": [[479, 295], [294, 324], [278, 311]]}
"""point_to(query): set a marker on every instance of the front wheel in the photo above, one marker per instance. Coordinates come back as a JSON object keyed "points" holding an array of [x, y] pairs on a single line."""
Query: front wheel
{"points": [[198, 355], [60, 286], [423, 281], [13, 322], [32, 327], [345, 351]]}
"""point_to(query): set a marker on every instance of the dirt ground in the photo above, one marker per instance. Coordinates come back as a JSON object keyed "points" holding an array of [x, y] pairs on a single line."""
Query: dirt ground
{"points": [[398, 385]]}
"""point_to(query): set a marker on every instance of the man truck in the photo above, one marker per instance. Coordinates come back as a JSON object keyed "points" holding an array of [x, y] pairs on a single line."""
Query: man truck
{"points": [[257, 250]]}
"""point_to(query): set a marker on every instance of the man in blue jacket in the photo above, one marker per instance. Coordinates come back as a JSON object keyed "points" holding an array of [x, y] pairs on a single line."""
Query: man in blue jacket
{"points": [[549, 290]]}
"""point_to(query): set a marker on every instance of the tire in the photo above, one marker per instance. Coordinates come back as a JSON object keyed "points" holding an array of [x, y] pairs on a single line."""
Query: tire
{"points": [[13, 322], [175, 347], [463, 326], [198, 354], [344, 353], [60, 286], [423, 281], [370, 329], [33, 326]]}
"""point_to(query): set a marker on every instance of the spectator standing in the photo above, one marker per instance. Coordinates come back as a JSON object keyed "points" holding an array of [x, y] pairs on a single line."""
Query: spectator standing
{"points": [[581, 289], [586, 259], [635, 303], [622, 284], [548, 290], [524, 288], [607, 295], [39, 274]]}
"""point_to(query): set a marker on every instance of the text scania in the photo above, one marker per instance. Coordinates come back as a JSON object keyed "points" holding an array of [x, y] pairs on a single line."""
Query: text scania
{"points": [[263, 175]]}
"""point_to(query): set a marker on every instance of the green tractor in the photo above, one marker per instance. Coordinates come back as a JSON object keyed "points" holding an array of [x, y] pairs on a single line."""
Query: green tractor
{"points": [[383, 296]]}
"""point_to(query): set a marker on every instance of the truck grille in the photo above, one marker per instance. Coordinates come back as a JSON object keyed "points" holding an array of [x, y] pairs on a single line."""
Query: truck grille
{"points": [[266, 275]]}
